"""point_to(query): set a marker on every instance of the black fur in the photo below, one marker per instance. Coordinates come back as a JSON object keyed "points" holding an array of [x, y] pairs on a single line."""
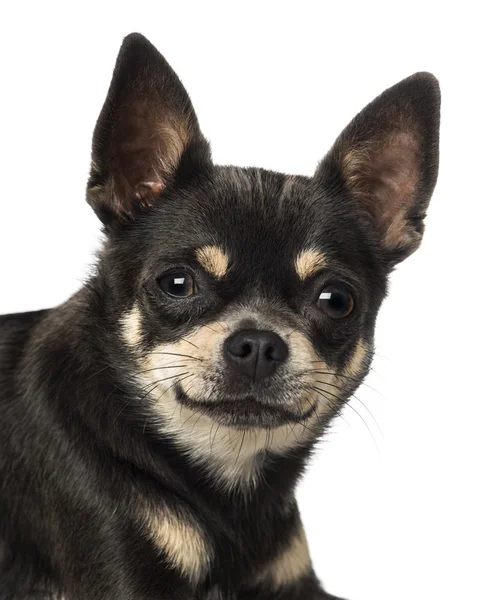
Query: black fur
{"points": [[76, 449]]}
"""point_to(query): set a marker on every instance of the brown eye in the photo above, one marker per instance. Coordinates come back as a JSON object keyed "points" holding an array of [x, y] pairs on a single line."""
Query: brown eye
{"points": [[177, 285], [336, 301]]}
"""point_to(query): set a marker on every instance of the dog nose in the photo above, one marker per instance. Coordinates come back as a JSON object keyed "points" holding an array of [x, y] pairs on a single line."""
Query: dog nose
{"points": [[256, 353]]}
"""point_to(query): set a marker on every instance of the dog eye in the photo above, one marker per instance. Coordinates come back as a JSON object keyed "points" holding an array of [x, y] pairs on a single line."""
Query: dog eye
{"points": [[336, 301], [177, 285]]}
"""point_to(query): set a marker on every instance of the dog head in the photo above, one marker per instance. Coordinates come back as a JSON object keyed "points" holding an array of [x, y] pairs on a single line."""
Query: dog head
{"points": [[245, 298]]}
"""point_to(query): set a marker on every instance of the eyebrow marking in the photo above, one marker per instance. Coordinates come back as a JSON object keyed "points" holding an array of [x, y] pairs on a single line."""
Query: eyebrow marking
{"points": [[308, 262], [213, 259]]}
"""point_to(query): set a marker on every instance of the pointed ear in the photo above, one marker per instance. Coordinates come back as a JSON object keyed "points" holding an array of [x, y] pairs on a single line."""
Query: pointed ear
{"points": [[146, 132], [387, 160]]}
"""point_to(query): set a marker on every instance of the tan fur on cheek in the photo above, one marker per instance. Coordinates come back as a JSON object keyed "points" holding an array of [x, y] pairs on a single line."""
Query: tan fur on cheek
{"points": [[358, 359], [308, 262], [182, 541], [318, 377], [131, 326], [214, 260], [292, 564], [195, 356]]}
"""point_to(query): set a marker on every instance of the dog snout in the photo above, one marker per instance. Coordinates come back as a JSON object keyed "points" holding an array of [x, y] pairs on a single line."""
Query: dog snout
{"points": [[255, 353]]}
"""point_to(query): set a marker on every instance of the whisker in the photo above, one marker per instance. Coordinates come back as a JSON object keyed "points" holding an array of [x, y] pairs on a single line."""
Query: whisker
{"points": [[255, 442], [158, 381], [358, 399], [160, 368], [212, 444], [369, 412], [152, 383], [334, 374], [211, 431], [303, 424], [336, 410], [376, 373], [230, 439], [240, 449], [314, 387], [162, 394], [97, 373], [366, 425], [343, 389], [386, 358], [176, 354], [267, 439], [325, 392], [132, 399], [171, 377], [189, 388], [189, 342], [190, 416], [339, 387], [218, 332], [291, 425], [196, 422], [177, 404]]}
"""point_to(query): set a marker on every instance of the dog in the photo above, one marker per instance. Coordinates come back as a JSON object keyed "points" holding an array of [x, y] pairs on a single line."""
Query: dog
{"points": [[155, 425]]}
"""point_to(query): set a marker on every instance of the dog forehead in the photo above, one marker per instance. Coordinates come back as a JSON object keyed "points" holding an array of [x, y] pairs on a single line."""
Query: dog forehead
{"points": [[246, 210]]}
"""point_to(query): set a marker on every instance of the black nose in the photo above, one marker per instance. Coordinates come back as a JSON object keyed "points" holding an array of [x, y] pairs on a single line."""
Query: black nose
{"points": [[256, 353]]}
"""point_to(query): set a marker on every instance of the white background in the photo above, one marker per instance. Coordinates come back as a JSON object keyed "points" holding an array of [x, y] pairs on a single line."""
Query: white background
{"points": [[411, 514]]}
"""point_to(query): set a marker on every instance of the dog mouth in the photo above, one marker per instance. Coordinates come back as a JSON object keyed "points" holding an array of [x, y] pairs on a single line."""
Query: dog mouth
{"points": [[245, 412]]}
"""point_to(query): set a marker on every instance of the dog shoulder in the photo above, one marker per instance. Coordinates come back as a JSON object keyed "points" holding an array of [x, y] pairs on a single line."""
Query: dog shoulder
{"points": [[15, 331], [18, 325]]}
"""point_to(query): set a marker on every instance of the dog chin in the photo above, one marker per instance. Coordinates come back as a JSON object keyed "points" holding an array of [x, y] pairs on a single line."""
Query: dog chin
{"points": [[244, 412]]}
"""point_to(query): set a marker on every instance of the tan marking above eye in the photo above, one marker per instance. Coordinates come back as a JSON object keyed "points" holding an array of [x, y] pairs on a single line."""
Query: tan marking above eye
{"points": [[213, 259], [308, 262]]}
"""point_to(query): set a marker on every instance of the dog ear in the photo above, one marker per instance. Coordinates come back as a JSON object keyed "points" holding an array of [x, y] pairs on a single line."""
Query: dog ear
{"points": [[146, 132], [387, 160]]}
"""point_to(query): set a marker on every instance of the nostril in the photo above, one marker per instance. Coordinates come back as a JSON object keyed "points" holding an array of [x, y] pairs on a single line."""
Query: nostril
{"points": [[245, 350], [270, 353], [240, 348], [277, 350]]}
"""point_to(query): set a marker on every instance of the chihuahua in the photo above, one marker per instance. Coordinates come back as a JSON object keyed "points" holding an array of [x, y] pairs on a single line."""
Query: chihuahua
{"points": [[155, 425]]}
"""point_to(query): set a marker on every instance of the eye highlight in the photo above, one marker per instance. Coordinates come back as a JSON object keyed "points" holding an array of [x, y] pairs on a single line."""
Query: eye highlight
{"points": [[336, 301], [177, 285]]}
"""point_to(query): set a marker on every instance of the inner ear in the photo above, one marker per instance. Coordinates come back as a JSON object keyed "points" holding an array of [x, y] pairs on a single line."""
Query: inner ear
{"points": [[386, 160], [385, 174], [147, 133], [148, 149]]}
